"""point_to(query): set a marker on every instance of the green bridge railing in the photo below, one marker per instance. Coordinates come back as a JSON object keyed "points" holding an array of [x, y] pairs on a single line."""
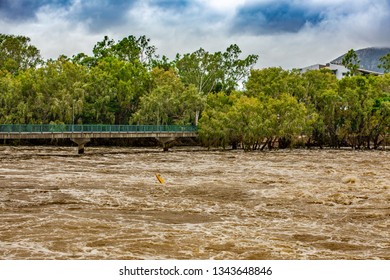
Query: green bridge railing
{"points": [[69, 128]]}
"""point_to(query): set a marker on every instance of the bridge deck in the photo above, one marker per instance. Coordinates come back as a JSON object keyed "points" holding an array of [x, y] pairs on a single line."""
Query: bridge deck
{"points": [[62, 131]]}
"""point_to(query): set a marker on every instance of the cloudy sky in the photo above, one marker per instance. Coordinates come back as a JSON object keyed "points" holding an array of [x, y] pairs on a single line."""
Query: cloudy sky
{"points": [[286, 33]]}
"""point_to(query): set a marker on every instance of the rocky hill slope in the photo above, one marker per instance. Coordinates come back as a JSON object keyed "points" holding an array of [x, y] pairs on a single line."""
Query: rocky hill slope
{"points": [[369, 58]]}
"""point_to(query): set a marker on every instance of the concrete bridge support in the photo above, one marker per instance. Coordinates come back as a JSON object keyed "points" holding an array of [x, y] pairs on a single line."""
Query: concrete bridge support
{"points": [[167, 142], [81, 142]]}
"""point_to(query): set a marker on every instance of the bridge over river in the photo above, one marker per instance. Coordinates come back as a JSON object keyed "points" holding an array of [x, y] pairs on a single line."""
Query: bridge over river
{"points": [[82, 134]]}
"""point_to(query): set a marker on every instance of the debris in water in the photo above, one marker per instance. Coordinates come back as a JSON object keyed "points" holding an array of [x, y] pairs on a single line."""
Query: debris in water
{"points": [[350, 179], [159, 178]]}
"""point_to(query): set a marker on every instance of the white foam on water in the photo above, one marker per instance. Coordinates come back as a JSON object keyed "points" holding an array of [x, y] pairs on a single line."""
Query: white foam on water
{"points": [[108, 204]]}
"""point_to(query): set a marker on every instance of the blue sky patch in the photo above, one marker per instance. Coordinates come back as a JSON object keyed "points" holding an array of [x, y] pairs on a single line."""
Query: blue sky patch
{"points": [[177, 6]]}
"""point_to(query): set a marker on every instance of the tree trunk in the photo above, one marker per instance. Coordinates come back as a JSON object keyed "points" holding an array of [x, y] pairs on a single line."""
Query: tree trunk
{"points": [[264, 145], [271, 143], [197, 117]]}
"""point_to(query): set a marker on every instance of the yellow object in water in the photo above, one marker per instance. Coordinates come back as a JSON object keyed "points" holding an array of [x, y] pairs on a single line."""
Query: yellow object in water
{"points": [[160, 179]]}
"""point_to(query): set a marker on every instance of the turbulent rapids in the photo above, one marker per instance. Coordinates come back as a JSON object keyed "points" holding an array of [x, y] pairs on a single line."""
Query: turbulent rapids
{"points": [[108, 204]]}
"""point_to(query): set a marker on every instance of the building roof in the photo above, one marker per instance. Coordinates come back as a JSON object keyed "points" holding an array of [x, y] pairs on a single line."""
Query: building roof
{"points": [[339, 70]]}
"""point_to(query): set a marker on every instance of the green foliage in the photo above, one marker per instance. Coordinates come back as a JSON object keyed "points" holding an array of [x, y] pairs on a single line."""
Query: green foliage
{"points": [[385, 63], [214, 126], [354, 113], [275, 81], [322, 100], [169, 101], [125, 82], [52, 93], [282, 107], [235, 70], [201, 69], [352, 62], [129, 49], [249, 120], [10, 98], [214, 72], [114, 89], [16, 53]]}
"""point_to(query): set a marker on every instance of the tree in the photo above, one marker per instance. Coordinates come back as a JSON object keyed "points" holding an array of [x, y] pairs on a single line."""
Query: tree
{"points": [[214, 72], [200, 69], [287, 119], [129, 49], [16, 53], [351, 62], [163, 63], [247, 121], [235, 70], [132, 49], [169, 101], [10, 98], [322, 100], [256, 119], [362, 109], [274, 81], [214, 129], [114, 90], [104, 48], [385, 63], [52, 93], [379, 122]]}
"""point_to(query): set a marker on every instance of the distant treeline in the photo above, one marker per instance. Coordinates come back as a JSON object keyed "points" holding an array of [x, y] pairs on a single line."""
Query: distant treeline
{"points": [[125, 82]]}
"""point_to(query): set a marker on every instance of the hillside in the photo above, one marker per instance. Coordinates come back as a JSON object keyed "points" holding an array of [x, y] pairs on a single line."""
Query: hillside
{"points": [[369, 58]]}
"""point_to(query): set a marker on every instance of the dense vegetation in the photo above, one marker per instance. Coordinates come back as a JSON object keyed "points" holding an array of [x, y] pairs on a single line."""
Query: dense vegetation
{"points": [[125, 82]]}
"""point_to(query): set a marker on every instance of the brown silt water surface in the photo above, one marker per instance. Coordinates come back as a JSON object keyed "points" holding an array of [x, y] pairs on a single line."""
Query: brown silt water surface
{"points": [[108, 204]]}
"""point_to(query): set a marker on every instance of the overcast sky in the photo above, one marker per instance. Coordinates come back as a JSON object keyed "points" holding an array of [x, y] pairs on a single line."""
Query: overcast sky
{"points": [[286, 33]]}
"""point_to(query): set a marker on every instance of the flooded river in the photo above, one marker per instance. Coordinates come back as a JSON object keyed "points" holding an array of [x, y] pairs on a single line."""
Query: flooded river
{"points": [[108, 204]]}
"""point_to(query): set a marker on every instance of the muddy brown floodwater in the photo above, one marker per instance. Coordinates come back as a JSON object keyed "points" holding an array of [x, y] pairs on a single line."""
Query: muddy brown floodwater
{"points": [[108, 204]]}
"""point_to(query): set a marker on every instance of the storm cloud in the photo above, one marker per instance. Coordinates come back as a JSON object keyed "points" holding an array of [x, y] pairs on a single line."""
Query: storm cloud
{"points": [[101, 15], [271, 17], [283, 33], [20, 10]]}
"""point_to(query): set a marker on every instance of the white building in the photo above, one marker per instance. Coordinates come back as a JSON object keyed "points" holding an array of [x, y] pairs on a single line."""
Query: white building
{"points": [[339, 70]]}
